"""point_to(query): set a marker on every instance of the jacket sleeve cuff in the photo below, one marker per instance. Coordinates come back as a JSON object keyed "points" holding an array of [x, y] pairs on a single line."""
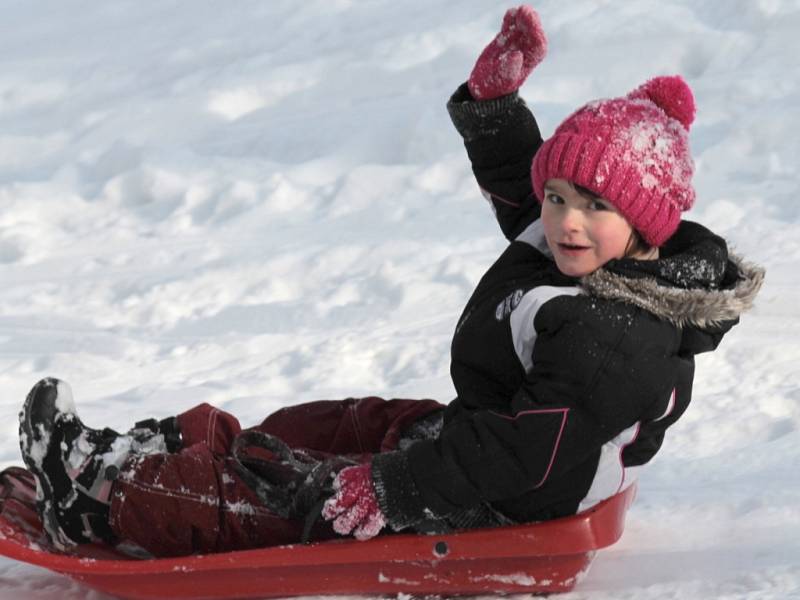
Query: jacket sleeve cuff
{"points": [[397, 493], [477, 118]]}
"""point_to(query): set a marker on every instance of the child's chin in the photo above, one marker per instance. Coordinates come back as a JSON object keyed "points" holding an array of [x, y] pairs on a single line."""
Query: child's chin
{"points": [[573, 270]]}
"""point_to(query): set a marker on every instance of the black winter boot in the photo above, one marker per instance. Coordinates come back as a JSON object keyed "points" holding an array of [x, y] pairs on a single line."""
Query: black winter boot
{"points": [[75, 465]]}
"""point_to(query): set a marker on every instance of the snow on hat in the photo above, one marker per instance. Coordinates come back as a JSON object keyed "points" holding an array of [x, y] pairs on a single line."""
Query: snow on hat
{"points": [[632, 151]]}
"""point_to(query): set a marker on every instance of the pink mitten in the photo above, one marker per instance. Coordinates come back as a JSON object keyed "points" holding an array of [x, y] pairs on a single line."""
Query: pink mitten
{"points": [[507, 61], [354, 508]]}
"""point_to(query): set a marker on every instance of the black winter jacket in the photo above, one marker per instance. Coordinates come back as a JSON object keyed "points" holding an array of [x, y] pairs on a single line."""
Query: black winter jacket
{"points": [[564, 385]]}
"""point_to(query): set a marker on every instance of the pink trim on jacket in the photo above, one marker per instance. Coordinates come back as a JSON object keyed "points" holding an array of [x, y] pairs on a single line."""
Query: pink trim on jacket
{"points": [[619, 456], [565, 412], [491, 196]]}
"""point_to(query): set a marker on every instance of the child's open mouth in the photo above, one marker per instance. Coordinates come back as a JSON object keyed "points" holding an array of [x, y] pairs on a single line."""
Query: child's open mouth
{"points": [[572, 249]]}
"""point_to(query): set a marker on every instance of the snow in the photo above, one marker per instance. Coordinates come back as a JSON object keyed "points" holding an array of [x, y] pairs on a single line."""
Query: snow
{"points": [[261, 203], [64, 400]]}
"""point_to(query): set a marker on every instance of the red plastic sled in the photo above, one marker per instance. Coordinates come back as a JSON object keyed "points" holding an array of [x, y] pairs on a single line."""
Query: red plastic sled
{"points": [[545, 557]]}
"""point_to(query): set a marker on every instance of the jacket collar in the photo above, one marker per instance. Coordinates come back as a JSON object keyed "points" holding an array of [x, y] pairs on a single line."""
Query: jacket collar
{"points": [[699, 307]]}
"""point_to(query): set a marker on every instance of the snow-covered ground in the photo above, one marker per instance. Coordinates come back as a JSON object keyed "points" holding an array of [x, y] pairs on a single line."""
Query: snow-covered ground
{"points": [[258, 203]]}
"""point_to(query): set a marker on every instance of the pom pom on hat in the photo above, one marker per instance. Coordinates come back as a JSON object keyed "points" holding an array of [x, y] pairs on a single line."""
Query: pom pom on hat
{"points": [[632, 151], [672, 95]]}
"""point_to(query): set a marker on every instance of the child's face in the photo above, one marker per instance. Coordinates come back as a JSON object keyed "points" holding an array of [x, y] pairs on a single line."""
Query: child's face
{"points": [[582, 233]]}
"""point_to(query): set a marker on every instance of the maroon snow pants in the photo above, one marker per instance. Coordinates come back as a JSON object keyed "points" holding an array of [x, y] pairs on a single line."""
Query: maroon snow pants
{"points": [[193, 501]]}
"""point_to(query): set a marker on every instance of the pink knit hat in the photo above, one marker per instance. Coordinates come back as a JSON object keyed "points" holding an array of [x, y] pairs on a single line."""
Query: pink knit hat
{"points": [[632, 151]]}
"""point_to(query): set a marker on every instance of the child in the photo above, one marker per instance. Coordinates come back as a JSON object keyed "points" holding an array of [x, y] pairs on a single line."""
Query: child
{"points": [[573, 356]]}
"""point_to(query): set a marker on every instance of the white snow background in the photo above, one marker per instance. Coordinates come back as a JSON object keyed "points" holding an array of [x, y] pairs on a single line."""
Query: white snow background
{"points": [[259, 203]]}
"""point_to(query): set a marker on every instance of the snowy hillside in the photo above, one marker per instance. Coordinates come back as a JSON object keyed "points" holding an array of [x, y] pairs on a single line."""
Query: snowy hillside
{"points": [[258, 203]]}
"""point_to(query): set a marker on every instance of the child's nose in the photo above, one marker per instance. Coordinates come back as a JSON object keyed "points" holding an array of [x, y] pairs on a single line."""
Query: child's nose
{"points": [[571, 220]]}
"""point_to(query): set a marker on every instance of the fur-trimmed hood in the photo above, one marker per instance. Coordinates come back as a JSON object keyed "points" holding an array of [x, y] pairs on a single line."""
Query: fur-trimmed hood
{"points": [[698, 307]]}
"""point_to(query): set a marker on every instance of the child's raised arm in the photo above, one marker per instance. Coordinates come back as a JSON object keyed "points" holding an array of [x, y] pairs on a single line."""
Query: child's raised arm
{"points": [[500, 133]]}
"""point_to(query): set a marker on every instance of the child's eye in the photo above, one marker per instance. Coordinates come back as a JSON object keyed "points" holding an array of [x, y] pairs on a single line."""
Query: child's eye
{"points": [[597, 205], [554, 198]]}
